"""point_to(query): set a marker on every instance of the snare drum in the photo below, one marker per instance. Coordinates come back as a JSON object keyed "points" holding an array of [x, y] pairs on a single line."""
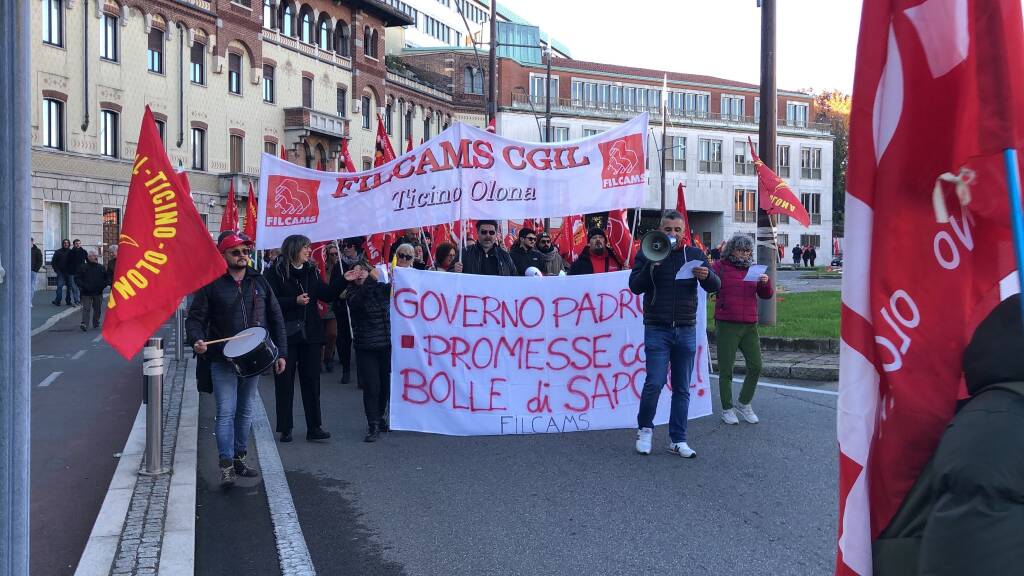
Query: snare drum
{"points": [[251, 354]]}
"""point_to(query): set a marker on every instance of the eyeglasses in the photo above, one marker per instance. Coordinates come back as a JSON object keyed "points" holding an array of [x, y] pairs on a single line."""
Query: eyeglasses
{"points": [[404, 257], [239, 252], [531, 238], [487, 232]]}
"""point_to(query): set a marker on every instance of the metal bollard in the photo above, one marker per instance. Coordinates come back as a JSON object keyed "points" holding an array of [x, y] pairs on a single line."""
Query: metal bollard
{"points": [[179, 331], [153, 374]]}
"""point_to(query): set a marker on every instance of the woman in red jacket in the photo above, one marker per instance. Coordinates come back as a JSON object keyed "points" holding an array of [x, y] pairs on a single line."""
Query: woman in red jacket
{"points": [[736, 324]]}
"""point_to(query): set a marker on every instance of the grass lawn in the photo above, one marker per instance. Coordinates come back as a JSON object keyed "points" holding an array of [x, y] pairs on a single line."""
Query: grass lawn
{"points": [[800, 315]]}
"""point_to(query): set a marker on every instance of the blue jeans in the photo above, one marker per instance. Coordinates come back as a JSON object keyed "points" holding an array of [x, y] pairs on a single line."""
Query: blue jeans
{"points": [[664, 345], [76, 292], [62, 282], [235, 398]]}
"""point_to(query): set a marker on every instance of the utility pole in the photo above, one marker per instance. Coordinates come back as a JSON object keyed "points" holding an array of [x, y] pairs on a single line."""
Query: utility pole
{"points": [[15, 289], [492, 65], [767, 252]]}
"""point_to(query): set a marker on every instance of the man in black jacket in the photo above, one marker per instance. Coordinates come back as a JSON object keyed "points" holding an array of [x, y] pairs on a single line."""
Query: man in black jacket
{"points": [[596, 257], [670, 336], [59, 262], [525, 254], [76, 258], [92, 279], [485, 257], [239, 299], [37, 262]]}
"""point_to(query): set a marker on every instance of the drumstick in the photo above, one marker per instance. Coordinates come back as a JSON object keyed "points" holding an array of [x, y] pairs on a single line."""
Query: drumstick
{"points": [[235, 337]]}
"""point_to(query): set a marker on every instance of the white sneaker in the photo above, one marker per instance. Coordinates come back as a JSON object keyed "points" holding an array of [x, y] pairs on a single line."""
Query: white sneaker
{"points": [[729, 416], [682, 449], [643, 440], [747, 412]]}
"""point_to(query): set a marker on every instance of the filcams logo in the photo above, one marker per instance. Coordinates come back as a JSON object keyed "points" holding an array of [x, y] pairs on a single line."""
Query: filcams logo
{"points": [[292, 201], [623, 161]]}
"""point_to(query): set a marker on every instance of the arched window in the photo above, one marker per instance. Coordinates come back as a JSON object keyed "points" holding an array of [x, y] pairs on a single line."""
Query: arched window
{"points": [[467, 79], [321, 156], [268, 14], [341, 39], [288, 18], [366, 41], [478, 82], [323, 36], [374, 40], [306, 28]]}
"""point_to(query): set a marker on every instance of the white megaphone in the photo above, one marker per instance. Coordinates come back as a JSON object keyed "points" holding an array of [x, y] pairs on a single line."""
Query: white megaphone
{"points": [[656, 245]]}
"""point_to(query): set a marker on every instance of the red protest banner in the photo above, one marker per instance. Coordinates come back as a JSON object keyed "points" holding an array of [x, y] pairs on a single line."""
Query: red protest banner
{"points": [[164, 251]]}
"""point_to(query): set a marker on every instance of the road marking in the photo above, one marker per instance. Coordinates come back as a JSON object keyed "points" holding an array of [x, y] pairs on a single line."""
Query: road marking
{"points": [[54, 319], [78, 355], [98, 338], [49, 379]]}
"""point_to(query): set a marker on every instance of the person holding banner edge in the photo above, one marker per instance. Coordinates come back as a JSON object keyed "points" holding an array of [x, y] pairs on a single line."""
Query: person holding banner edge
{"points": [[670, 335]]}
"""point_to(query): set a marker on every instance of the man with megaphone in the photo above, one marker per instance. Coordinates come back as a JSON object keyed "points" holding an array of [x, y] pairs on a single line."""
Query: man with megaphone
{"points": [[667, 273]]}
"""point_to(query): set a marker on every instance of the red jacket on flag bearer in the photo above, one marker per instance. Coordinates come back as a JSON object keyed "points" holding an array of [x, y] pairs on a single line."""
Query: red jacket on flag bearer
{"points": [[774, 195], [229, 219], [937, 96], [164, 250]]}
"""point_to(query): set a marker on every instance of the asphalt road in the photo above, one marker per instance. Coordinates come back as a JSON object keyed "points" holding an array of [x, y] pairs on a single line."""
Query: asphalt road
{"points": [[758, 499]]}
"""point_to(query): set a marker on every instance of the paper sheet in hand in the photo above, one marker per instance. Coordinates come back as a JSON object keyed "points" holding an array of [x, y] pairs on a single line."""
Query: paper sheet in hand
{"points": [[686, 272], [754, 272], [382, 269]]}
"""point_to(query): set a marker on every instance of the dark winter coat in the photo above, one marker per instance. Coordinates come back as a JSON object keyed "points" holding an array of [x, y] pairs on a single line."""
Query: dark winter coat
{"points": [[288, 287], [473, 261], [91, 279], [669, 302], [584, 265], [340, 304], [524, 258], [111, 269], [76, 257], [965, 513], [37, 258], [370, 308], [224, 308], [59, 260], [797, 253], [737, 299]]}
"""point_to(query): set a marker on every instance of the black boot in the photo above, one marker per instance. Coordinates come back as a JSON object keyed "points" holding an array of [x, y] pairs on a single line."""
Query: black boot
{"points": [[372, 433], [328, 366], [286, 436], [346, 375], [317, 434], [242, 470], [227, 473]]}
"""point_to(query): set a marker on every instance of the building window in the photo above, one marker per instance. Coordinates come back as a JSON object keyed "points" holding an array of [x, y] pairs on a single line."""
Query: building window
{"points": [[268, 14], [408, 124], [237, 153], [235, 73], [288, 19], [757, 110], [745, 205], [812, 203], [321, 157], [323, 36], [370, 42], [270, 148], [783, 218], [473, 80], [161, 126], [108, 37], [53, 123], [197, 64], [155, 52], [559, 133], [53, 22], [782, 240], [268, 83], [342, 96], [306, 26], [588, 132], [782, 160], [111, 226], [366, 112], [307, 92], [696, 104], [811, 240], [810, 163], [732, 108], [389, 119], [367, 164], [710, 156], [675, 153], [796, 114], [341, 39], [109, 133], [539, 94], [744, 163], [426, 125], [198, 149]]}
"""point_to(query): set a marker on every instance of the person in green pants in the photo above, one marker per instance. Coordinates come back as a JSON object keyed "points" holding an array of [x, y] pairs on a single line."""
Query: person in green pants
{"points": [[736, 324]]}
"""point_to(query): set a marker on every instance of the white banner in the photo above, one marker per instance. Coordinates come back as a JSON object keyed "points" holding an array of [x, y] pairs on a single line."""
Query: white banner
{"points": [[477, 355], [462, 173]]}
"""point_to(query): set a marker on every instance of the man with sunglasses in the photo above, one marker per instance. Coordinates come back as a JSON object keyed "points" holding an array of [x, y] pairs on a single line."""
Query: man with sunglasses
{"points": [[552, 261], [670, 334], [239, 299], [525, 253], [485, 257]]}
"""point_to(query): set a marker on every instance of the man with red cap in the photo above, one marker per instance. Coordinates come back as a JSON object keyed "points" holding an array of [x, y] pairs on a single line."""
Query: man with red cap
{"points": [[239, 299]]}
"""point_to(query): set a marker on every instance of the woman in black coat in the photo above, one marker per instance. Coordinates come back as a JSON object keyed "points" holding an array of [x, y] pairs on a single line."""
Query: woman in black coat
{"points": [[296, 283]]}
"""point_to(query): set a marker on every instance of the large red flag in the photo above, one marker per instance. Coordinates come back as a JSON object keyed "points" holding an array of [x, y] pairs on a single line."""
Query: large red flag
{"points": [[681, 208], [229, 219], [937, 95], [345, 159], [571, 238], [774, 195], [619, 237], [164, 251], [383, 152], [512, 234], [376, 248], [250, 214]]}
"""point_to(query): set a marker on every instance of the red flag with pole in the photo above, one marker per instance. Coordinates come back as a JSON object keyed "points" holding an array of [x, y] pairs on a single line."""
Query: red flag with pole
{"points": [[345, 159], [571, 237], [681, 208], [619, 237], [383, 152], [774, 195], [284, 153], [250, 214], [229, 219], [937, 97], [164, 250]]}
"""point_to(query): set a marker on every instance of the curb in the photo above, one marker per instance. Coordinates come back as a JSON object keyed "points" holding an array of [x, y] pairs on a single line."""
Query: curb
{"points": [[178, 549], [776, 344], [792, 372]]}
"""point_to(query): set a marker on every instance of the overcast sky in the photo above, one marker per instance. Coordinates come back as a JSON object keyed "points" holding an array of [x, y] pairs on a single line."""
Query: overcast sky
{"points": [[817, 39]]}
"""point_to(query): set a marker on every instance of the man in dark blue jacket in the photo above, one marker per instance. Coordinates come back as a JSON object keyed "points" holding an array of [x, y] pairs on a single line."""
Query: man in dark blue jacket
{"points": [[670, 334]]}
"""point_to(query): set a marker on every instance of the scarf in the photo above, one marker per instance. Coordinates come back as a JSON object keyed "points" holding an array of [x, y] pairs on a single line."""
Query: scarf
{"points": [[350, 262], [740, 262]]}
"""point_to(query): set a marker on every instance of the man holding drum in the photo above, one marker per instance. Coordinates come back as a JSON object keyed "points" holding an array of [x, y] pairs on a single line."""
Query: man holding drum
{"points": [[226, 307]]}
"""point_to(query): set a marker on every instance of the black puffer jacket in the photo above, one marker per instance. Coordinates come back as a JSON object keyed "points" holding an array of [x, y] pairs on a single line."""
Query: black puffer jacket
{"points": [[667, 301], [91, 278], [59, 261], [76, 257], [217, 312], [473, 261], [370, 307], [524, 259], [289, 285]]}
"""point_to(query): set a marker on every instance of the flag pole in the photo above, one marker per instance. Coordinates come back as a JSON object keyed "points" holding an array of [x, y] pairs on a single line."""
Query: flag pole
{"points": [[1016, 211], [664, 123], [767, 252]]}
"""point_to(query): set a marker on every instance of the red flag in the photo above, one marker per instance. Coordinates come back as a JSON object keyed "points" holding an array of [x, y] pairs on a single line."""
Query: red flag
{"points": [[774, 195], [250, 214], [492, 126], [345, 159], [376, 247], [408, 146], [512, 234], [619, 237], [229, 219], [284, 153], [681, 208], [164, 251], [571, 238], [383, 152], [937, 96]]}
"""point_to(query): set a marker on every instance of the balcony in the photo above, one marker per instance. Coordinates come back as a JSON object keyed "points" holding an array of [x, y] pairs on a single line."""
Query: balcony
{"points": [[307, 120], [621, 111], [241, 183]]}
